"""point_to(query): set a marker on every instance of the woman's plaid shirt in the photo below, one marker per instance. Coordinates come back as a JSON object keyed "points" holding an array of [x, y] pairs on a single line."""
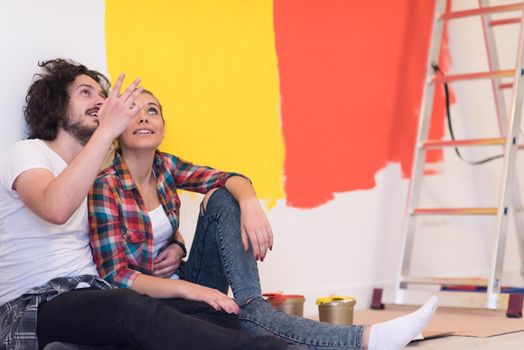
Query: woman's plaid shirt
{"points": [[119, 225]]}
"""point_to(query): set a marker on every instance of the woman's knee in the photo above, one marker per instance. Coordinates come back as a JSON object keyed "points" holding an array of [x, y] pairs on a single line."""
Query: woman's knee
{"points": [[207, 197], [220, 198]]}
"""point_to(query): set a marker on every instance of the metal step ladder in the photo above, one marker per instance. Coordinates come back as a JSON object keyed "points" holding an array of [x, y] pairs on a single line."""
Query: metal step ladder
{"points": [[509, 195]]}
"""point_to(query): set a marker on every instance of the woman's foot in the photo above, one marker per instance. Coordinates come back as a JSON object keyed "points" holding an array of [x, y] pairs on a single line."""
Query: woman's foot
{"points": [[397, 333]]}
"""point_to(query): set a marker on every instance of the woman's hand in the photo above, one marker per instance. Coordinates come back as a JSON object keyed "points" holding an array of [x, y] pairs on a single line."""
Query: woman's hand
{"points": [[255, 227], [168, 261], [210, 296]]}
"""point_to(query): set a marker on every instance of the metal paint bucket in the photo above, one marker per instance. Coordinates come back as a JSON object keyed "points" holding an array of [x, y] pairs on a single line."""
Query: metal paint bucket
{"points": [[336, 309], [289, 304]]}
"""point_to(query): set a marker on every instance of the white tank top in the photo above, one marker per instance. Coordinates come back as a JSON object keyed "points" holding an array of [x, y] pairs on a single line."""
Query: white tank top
{"points": [[162, 229]]}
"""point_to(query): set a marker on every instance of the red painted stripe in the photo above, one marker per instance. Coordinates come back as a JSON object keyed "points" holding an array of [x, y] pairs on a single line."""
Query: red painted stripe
{"points": [[351, 78]]}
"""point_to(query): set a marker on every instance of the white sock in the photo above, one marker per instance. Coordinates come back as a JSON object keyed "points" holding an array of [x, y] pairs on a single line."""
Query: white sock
{"points": [[397, 333]]}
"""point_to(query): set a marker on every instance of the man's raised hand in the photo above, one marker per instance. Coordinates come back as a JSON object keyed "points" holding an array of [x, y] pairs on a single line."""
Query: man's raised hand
{"points": [[119, 109]]}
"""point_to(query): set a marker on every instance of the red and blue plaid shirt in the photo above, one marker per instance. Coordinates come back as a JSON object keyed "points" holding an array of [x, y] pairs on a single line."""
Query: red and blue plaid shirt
{"points": [[119, 225]]}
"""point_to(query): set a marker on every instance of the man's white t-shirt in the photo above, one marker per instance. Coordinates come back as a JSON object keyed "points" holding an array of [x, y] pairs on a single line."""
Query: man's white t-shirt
{"points": [[32, 250]]}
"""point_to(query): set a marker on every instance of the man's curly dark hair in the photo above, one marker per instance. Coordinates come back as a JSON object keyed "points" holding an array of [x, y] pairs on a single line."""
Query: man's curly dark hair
{"points": [[47, 98]]}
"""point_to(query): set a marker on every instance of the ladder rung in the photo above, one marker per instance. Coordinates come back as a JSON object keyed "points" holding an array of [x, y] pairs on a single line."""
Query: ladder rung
{"points": [[500, 22], [453, 281], [455, 211], [457, 143], [506, 86], [481, 11], [471, 76]]}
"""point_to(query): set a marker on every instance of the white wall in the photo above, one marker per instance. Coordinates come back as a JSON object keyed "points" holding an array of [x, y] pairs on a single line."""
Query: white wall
{"points": [[347, 246], [32, 31]]}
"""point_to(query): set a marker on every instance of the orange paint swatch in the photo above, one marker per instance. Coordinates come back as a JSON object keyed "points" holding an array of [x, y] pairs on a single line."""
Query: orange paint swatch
{"points": [[351, 79]]}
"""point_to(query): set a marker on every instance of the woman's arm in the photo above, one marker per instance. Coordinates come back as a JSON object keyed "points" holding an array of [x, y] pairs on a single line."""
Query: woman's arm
{"points": [[254, 225], [167, 288], [107, 240], [195, 178]]}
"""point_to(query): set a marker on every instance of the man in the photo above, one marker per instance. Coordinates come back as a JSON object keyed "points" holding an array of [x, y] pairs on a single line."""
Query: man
{"points": [[49, 286]]}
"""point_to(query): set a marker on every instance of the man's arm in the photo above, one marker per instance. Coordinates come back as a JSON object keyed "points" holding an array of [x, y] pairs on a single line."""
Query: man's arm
{"points": [[56, 199], [168, 260]]}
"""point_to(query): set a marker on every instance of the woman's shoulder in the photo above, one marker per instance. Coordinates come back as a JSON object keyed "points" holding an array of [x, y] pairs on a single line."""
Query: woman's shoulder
{"points": [[168, 160], [165, 155], [108, 175]]}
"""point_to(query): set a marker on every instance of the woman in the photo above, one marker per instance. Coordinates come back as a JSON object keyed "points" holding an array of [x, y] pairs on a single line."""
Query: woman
{"points": [[134, 210]]}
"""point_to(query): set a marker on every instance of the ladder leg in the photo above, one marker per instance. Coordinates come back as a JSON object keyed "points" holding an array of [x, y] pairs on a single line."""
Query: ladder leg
{"points": [[509, 175], [420, 155], [515, 306], [376, 299], [502, 116], [518, 216]]}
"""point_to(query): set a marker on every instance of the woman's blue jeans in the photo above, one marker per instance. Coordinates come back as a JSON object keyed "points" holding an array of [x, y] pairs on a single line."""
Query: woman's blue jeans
{"points": [[218, 260]]}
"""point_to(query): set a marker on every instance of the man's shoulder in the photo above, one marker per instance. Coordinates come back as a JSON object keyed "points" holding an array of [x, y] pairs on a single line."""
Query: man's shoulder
{"points": [[20, 157], [25, 152], [30, 145]]}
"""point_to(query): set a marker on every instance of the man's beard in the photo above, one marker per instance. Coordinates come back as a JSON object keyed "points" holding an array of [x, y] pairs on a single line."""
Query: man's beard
{"points": [[80, 131]]}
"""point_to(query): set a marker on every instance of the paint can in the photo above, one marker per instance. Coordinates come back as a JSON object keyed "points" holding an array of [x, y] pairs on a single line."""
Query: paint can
{"points": [[291, 304], [336, 309]]}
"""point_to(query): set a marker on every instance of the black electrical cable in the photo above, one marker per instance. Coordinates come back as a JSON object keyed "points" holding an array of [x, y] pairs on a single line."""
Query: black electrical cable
{"points": [[437, 69]]}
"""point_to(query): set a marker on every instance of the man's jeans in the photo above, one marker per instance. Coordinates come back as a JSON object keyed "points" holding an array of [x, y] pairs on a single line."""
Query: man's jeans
{"points": [[136, 321], [218, 260]]}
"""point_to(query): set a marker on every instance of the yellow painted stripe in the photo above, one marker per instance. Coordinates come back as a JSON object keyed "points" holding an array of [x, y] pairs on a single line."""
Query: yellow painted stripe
{"points": [[213, 66]]}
